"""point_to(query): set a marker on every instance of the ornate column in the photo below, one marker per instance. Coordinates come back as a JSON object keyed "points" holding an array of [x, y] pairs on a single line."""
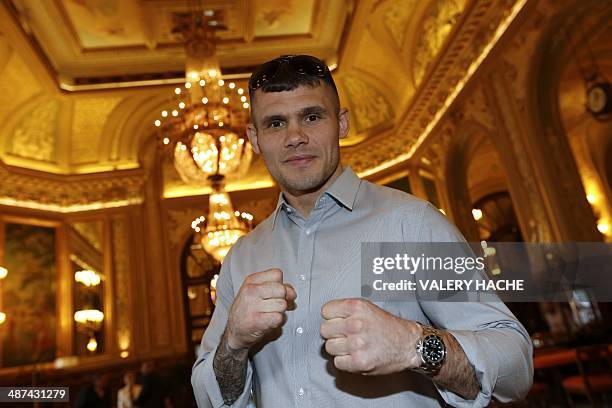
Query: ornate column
{"points": [[523, 101], [164, 325]]}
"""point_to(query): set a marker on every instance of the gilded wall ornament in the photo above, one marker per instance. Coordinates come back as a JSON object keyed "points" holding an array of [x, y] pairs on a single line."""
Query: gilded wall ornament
{"points": [[121, 267], [89, 118], [53, 193], [435, 28], [18, 85], [369, 105], [396, 19], [35, 135]]}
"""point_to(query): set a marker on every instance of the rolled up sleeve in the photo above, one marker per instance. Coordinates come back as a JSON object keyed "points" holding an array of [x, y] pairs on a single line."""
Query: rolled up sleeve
{"points": [[206, 389], [494, 341], [502, 360], [203, 379]]}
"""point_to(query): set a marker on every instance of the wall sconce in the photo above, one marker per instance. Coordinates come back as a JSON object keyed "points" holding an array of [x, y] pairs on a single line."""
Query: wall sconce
{"points": [[87, 277], [89, 321], [3, 273]]}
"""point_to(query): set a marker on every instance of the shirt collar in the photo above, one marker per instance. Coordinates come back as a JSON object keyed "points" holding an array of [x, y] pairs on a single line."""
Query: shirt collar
{"points": [[344, 190]]}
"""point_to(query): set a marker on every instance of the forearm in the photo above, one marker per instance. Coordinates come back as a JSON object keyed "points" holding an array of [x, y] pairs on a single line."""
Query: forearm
{"points": [[230, 368], [457, 374]]}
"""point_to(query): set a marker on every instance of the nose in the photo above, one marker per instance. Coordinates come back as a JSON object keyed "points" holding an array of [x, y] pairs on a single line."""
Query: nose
{"points": [[295, 136]]}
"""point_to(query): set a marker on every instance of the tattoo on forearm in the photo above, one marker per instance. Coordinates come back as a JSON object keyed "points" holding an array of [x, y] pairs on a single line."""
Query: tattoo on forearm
{"points": [[230, 369], [457, 374]]}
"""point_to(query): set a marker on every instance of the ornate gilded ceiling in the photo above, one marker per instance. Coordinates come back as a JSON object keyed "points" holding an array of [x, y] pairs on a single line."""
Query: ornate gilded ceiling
{"points": [[88, 41], [398, 63]]}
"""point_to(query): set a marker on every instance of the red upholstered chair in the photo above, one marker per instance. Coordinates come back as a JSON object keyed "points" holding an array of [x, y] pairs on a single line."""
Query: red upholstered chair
{"points": [[595, 378]]}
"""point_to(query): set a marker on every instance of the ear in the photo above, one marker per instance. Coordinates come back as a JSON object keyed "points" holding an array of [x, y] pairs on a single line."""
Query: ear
{"points": [[343, 122], [251, 131]]}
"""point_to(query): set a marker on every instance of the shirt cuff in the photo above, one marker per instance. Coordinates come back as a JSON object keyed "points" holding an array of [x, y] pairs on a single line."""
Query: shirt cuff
{"points": [[206, 388], [485, 369]]}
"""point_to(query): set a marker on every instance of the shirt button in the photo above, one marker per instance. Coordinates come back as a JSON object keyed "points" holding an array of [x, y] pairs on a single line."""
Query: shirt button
{"points": [[301, 392], [308, 231], [299, 330], [302, 278]]}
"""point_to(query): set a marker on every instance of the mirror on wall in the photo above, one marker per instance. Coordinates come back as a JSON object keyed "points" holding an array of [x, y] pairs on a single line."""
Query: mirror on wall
{"points": [[86, 254]]}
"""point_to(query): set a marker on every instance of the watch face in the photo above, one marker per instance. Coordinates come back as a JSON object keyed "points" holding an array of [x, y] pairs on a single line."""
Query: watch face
{"points": [[596, 99], [433, 350]]}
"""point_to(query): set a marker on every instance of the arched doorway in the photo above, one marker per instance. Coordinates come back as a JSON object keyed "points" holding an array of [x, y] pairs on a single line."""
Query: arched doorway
{"points": [[199, 271], [498, 221]]}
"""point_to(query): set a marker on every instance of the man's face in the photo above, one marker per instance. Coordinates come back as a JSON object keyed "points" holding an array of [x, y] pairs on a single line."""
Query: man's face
{"points": [[297, 133]]}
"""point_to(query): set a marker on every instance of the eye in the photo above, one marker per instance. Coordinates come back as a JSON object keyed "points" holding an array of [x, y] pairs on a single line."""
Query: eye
{"points": [[275, 124], [313, 117]]}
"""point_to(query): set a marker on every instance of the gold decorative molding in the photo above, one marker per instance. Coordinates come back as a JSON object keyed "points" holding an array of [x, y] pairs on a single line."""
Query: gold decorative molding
{"points": [[179, 225], [475, 108], [483, 24], [540, 230], [69, 194], [35, 135], [91, 232], [121, 267], [436, 27]]}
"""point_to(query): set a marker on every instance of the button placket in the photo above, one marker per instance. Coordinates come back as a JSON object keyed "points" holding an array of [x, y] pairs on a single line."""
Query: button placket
{"points": [[302, 316]]}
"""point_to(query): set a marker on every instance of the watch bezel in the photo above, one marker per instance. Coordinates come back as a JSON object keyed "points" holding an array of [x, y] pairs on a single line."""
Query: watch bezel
{"points": [[429, 366]]}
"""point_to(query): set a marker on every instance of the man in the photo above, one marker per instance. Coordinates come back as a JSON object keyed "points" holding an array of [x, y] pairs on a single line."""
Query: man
{"points": [[153, 392], [96, 394], [289, 322]]}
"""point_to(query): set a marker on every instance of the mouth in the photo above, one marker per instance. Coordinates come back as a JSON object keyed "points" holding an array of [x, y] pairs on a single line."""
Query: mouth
{"points": [[299, 159]]}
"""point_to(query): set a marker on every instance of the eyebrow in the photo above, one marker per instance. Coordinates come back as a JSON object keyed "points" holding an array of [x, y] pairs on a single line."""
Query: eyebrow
{"points": [[309, 110]]}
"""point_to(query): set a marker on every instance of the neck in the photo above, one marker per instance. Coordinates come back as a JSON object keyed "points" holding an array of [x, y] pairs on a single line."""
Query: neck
{"points": [[304, 201]]}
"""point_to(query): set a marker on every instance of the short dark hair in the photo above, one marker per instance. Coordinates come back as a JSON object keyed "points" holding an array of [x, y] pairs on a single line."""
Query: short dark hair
{"points": [[289, 72]]}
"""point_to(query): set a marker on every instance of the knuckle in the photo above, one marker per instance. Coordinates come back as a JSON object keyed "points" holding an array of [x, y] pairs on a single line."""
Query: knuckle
{"points": [[248, 289], [362, 362], [340, 363], [323, 330], [328, 347], [276, 319], [356, 305], [276, 273], [276, 288], [355, 325], [357, 342]]}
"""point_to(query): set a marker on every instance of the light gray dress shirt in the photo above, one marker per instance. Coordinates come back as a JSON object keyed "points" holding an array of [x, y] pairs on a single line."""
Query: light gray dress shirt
{"points": [[320, 257]]}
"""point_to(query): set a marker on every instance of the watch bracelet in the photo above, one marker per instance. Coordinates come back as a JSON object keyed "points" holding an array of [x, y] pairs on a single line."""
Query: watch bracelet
{"points": [[425, 368]]}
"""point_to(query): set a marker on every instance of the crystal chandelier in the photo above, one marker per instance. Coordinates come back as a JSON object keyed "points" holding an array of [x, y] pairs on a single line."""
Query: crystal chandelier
{"points": [[223, 226], [204, 133], [203, 130]]}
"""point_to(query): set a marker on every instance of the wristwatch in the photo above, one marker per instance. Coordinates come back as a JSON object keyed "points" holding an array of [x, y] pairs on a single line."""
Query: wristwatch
{"points": [[431, 350]]}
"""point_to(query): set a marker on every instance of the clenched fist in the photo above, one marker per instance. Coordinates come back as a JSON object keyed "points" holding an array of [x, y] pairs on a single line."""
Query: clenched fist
{"points": [[258, 308], [364, 338]]}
